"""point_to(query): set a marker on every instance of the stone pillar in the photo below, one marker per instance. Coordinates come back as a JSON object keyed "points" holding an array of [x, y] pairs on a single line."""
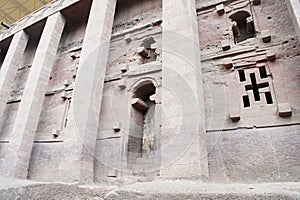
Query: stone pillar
{"points": [[10, 66], [81, 132], [294, 10], [183, 137], [27, 118]]}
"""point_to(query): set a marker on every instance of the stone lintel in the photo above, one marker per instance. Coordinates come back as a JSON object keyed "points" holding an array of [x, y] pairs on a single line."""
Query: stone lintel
{"points": [[139, 104], [142, 52]]}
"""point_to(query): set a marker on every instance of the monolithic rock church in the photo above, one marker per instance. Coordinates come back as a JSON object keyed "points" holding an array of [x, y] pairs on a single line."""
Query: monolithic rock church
{"points": [[122, 92]]}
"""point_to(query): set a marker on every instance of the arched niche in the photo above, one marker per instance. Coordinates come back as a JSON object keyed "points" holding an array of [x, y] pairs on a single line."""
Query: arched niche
{"points": [[142, 124], [242, 26]]}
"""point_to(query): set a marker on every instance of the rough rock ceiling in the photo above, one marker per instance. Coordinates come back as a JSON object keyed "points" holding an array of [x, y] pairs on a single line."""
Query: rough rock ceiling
{"points": [[13, 10]]}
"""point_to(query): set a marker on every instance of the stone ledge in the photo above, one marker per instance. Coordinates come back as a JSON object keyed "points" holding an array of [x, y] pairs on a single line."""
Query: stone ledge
{"points": [[157, 189]]}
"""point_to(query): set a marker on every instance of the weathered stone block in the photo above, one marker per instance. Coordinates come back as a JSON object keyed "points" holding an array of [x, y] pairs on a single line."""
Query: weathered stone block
{"points": [[155, 46], [66, 95], [228, 63], [284, 110], [156, 98], [128, 38], [67, 83], [139, 104], [123, 68], [259, 59], [112, 173], [56, 133], [271, 56], [220, 9], [117, 127], [256, 2], [266, 36], [235, 117], [73, 55], [225, 45], [122, 84]]}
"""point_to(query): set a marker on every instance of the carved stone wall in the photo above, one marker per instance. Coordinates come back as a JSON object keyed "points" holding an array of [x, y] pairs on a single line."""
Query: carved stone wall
{"points": [[249, 62]]}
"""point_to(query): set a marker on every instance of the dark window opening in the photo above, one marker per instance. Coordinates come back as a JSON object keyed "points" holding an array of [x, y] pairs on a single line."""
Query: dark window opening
{"points": [[151, 56], [242, 75], [243, 26], [144, 91], [263, 85], [255, 87], [246, 101], [263, 72], [269, 98]]}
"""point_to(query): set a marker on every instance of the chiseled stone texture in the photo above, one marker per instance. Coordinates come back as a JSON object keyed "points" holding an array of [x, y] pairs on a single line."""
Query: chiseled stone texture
{"points": [[44, 162], [3, 153], [254, 155], [294, 9], [107, 158]]}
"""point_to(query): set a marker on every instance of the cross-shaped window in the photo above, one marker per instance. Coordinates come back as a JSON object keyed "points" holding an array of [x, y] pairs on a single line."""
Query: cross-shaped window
{"points": [[256, 86]]}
